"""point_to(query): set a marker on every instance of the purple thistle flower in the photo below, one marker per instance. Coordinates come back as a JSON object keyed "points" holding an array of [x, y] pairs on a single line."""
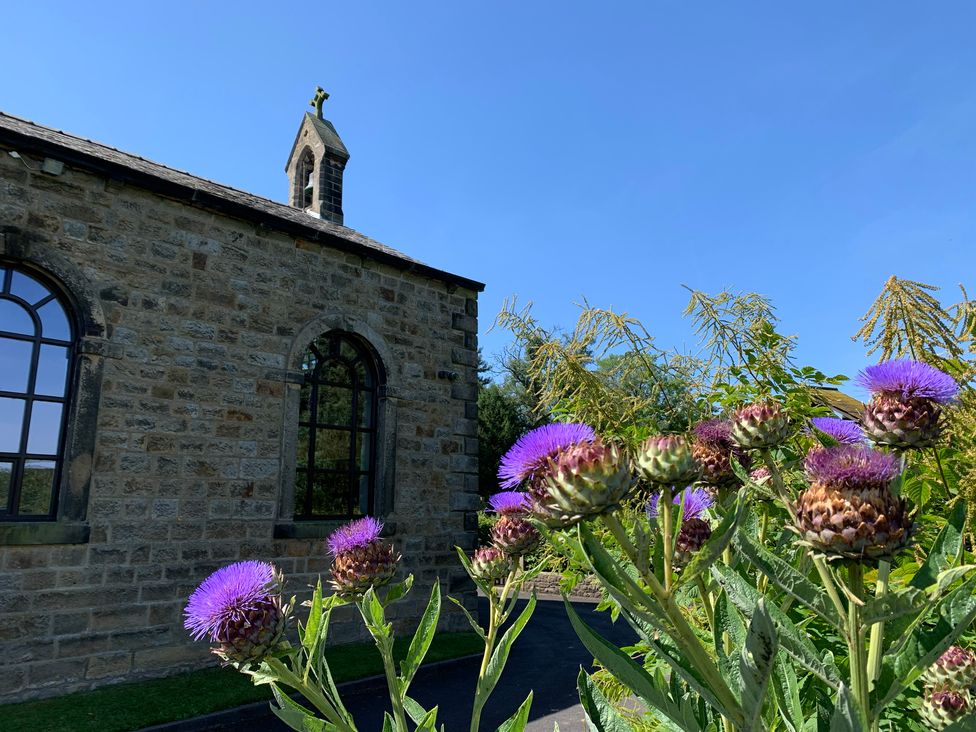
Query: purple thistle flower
{"points": [[360, 532], [509, 502], [851, 466], [844, 431], [714, 432], [909, 380], [696, 500], [226, 596], [533, 449]]}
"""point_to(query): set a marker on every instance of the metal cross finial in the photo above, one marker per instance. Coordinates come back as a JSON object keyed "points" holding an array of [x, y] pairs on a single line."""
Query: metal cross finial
{"points": [[318, 100]]}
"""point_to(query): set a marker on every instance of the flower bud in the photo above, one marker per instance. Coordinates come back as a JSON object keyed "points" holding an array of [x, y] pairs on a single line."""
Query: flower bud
{"points": [[942, 707], [360, 558], [954, 669], [490, 564], [760, 425], [692, 537], [514, 535], [667, 459]]}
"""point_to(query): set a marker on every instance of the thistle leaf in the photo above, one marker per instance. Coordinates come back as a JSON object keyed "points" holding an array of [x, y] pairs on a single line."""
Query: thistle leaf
{"points": [[600, 714], [422, 638], [517, 722], [756, 664], [846, 717], [717, 543]]}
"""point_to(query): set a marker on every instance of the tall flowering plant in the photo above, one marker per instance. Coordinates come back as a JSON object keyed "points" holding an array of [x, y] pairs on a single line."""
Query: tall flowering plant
{"points": [[241, 610], [765, 588]]}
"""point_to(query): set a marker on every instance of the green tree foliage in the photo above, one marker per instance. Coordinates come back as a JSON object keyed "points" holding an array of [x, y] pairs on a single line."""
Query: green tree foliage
{"points": [[501, 421]]}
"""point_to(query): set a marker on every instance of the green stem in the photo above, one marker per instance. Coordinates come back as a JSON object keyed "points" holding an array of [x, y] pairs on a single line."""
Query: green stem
{"points": [[681, 631], [396, 696], [877, 630], [496, 606], [666, 526], [778, 482], [938, 461], [855, 644], [706, 602], [763, 580], [828, 582], [310, 692]]}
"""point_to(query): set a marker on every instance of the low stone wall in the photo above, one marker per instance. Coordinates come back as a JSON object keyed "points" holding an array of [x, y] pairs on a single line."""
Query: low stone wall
{"points": [[547, 583]]}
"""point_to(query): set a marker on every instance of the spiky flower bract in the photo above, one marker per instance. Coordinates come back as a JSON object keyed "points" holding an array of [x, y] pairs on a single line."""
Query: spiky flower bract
{"points": [[532, 451], [239, 608], [490, 564], [850, 466], [909, 379], [360, 558], [716, 432], [954, 669], [510, 502], [714, 451], [354, 534], [942, 707], [667, 459], [696, 502], [849, 509], [760, 425], [844, 431]]}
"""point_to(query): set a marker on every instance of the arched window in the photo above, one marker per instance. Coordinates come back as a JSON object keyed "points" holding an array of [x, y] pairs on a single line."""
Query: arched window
{"points": [[335, 475], [306, 182], [37, 350]]}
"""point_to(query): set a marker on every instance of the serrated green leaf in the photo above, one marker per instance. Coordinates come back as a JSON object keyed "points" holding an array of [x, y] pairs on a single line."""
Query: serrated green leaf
{"points": [[629, 673], [786, 688], [945, 550], [422, 638], [793, 641], [717, 543], [728, 622], [517, 722], [846, 717], [756, 664], [789, 580], [396, 591], [474, 623], [949, 576], [601, 716], [931, 634], [294, 714], [893, 605]]}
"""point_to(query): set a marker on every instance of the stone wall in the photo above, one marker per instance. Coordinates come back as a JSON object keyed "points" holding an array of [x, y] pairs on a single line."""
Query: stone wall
{"points": [[201, 321]]}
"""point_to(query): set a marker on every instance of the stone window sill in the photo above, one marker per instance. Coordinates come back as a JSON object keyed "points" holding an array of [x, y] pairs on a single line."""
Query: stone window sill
{"points": [[23, 533], [317, 529]]}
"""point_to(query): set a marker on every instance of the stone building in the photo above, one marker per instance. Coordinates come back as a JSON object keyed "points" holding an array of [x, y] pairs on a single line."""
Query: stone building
{"points": [[192, 375]]}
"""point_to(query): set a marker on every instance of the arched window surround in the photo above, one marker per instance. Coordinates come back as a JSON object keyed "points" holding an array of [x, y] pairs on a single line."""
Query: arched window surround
{"points": [[290, 523], [34, 255]]}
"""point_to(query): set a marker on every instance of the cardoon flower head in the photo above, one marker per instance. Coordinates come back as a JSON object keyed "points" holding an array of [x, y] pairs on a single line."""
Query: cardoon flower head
{"points": [[696, 502], [360, 558], [851, 467], [909, 380], [849, 510], [905, 409], [942, 707], [585, 479], [760, 425], [954, 669], [354, 534], [667, 459], [490, 564], [844, 431], [510, 502], [714, 450], [760, 474], [239, 607], [530, 454]]}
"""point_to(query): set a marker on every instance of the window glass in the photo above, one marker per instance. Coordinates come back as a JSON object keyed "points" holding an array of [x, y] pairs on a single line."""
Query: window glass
{"points": [[45, 428], [336, 437], [26, 287], [52, 370], [6, 476], [15, 361], [11, 423], [54, 323], [37, 488], [14, 319]]}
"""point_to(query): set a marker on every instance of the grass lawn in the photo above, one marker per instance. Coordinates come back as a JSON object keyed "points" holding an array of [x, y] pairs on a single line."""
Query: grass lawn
{"points": [[126, 707]]}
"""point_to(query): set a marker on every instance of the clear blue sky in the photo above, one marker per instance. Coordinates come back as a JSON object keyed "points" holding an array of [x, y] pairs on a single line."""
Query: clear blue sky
{"points": [[561, 150]]}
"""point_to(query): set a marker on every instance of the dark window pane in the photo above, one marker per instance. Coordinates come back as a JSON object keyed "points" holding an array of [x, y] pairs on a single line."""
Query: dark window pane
{"points": [[347, 350], [37, 488], [335, 405], [330, 494], [303, 404], [335, 372], [362, 375], [15, 361], [332, 449], [11, 424], [302, 458], [28, 288], [54, 323], [6, 476], [45, 428], [52, 370], [14, 319], [308, 361], [363, 443]]}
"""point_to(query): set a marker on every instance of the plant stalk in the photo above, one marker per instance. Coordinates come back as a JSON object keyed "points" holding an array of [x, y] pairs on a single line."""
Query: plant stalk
{"points": [[310, 692], [667, 519], [860, 687], [496, 606], [396, 696], [876, 647]]}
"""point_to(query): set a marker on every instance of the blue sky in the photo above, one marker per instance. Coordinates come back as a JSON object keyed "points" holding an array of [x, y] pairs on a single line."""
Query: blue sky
{"points": [[562, 150]]}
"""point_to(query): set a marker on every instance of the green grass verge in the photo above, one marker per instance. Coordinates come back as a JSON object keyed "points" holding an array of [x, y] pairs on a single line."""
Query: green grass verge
{"points": [[126, 707]]}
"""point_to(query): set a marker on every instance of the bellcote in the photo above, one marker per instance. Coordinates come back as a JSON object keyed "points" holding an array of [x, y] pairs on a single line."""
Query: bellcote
{"points": [[316, 164]]}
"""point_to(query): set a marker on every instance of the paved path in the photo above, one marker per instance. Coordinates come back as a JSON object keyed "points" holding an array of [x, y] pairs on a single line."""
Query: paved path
{"points": [[546, 658]]}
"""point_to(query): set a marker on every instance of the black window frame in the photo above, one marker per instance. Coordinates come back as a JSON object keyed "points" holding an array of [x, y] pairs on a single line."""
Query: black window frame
{"points": [[10, 512], [322, 351]]}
